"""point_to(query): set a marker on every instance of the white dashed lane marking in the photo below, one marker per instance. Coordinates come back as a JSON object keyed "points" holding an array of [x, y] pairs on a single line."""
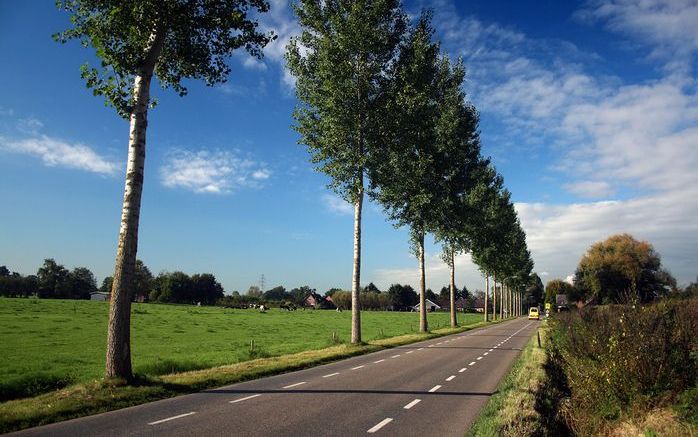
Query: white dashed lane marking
{"points": [[412, 404], [172, 418], [380, 425], [331, 374], [295, 385], [244, 399], [379, 361], [434, 388], [462, 370], [450, 378], [357, 367]]}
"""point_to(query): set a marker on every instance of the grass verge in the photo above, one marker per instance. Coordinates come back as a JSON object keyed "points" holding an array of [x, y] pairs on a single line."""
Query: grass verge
{"points": [[99, 395], [517, 407]]}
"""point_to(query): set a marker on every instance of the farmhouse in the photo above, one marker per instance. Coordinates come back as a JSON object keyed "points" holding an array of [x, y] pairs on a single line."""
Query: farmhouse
{"points": [[431, 306], [98, 295]]}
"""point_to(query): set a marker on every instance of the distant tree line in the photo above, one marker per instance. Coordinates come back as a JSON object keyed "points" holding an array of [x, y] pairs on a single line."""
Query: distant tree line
{"points": [[54, 281]]}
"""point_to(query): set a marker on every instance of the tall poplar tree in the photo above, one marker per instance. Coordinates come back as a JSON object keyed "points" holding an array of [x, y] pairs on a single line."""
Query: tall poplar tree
{"points": [[340, 62], [458, 139], [171, 40], [409, 177]]}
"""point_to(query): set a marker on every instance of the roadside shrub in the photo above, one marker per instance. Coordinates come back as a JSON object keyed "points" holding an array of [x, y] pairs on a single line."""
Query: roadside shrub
{"points": [[619, 360]]}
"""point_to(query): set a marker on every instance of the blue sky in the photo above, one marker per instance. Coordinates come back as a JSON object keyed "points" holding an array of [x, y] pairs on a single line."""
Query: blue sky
{"points": [[589, 110]]}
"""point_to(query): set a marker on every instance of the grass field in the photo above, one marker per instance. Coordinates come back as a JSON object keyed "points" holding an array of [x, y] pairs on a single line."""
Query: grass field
{"points": [[49, 344]]}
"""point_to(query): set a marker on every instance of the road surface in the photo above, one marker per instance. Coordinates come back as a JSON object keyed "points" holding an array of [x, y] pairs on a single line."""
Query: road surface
{"points": [[436, 387]]}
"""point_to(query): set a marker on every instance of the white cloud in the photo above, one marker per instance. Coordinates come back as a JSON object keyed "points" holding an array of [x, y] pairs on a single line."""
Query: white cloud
{"points": [[211, 172], [252, 63], [261, 174], [669, 26], [558, 235], [57, 153], [590, 189], [29, 126], [337, 205]]}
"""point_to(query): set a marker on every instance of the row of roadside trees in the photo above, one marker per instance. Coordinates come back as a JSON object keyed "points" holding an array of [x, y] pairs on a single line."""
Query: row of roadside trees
{"points": [[381, 110], [383, 113]]}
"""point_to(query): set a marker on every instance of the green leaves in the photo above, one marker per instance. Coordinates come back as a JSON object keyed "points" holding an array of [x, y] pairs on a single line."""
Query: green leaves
{"points": [[173, 40], [340, 62]]}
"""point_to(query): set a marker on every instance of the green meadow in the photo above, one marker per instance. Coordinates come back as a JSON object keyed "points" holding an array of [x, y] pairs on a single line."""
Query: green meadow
{"points": [[50, 344]]}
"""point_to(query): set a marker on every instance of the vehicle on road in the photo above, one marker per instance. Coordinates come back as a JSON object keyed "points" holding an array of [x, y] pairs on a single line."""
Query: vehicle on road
{"points": [[533, 314]]}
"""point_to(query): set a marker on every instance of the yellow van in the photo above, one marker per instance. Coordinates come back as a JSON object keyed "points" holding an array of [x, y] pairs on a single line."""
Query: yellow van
{"points": [[533, 314]]}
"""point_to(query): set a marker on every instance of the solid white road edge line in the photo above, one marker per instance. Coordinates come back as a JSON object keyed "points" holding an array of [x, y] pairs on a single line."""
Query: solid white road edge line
{"points": [[412, 404], [244, 399], [434, 388], [295, 385], [172, 418], [380, 425]]}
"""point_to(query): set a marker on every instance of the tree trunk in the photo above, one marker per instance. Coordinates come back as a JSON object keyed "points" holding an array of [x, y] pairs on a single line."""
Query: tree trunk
{"points": [[494, 297], [423, 326], [454, 322], [501, 301], [356, 275], [118, 357], [487, 292]]}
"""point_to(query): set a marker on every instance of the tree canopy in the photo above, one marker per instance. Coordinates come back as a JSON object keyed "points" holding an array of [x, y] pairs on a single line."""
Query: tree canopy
{"points": [[622, 269]]}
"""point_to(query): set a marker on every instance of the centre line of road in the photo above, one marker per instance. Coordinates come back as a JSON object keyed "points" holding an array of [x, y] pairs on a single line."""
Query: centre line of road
{"points": [[379, 361], [380, 425], [172, 418], [462, 370], [412, 404], [395, 356], [409, 352], [472, 363], [450, 378], [485, 354], [479, 358], [490, 350], [331, 374], [357, 367], [420, 348], [244, 399], [434, 388], [431, 345], [295, 385]]}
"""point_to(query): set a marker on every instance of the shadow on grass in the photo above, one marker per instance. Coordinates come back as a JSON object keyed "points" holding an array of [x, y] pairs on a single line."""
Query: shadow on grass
{"points": [[32, 385]]}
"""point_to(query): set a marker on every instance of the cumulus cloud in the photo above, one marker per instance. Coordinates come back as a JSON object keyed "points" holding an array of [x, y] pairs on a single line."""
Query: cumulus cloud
{"points": [[58, 153], [337, 205], [204, 171], [558, 235]]}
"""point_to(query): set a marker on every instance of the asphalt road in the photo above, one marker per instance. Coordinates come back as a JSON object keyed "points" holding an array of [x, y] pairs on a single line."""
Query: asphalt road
{"points": [[436, 387]]}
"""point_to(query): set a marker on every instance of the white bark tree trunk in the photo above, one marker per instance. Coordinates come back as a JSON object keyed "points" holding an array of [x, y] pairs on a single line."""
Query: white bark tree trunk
{"points": [[423, 326], [356, 274], [487, 292], [454, 322], [118, 356], [494, 297]]}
